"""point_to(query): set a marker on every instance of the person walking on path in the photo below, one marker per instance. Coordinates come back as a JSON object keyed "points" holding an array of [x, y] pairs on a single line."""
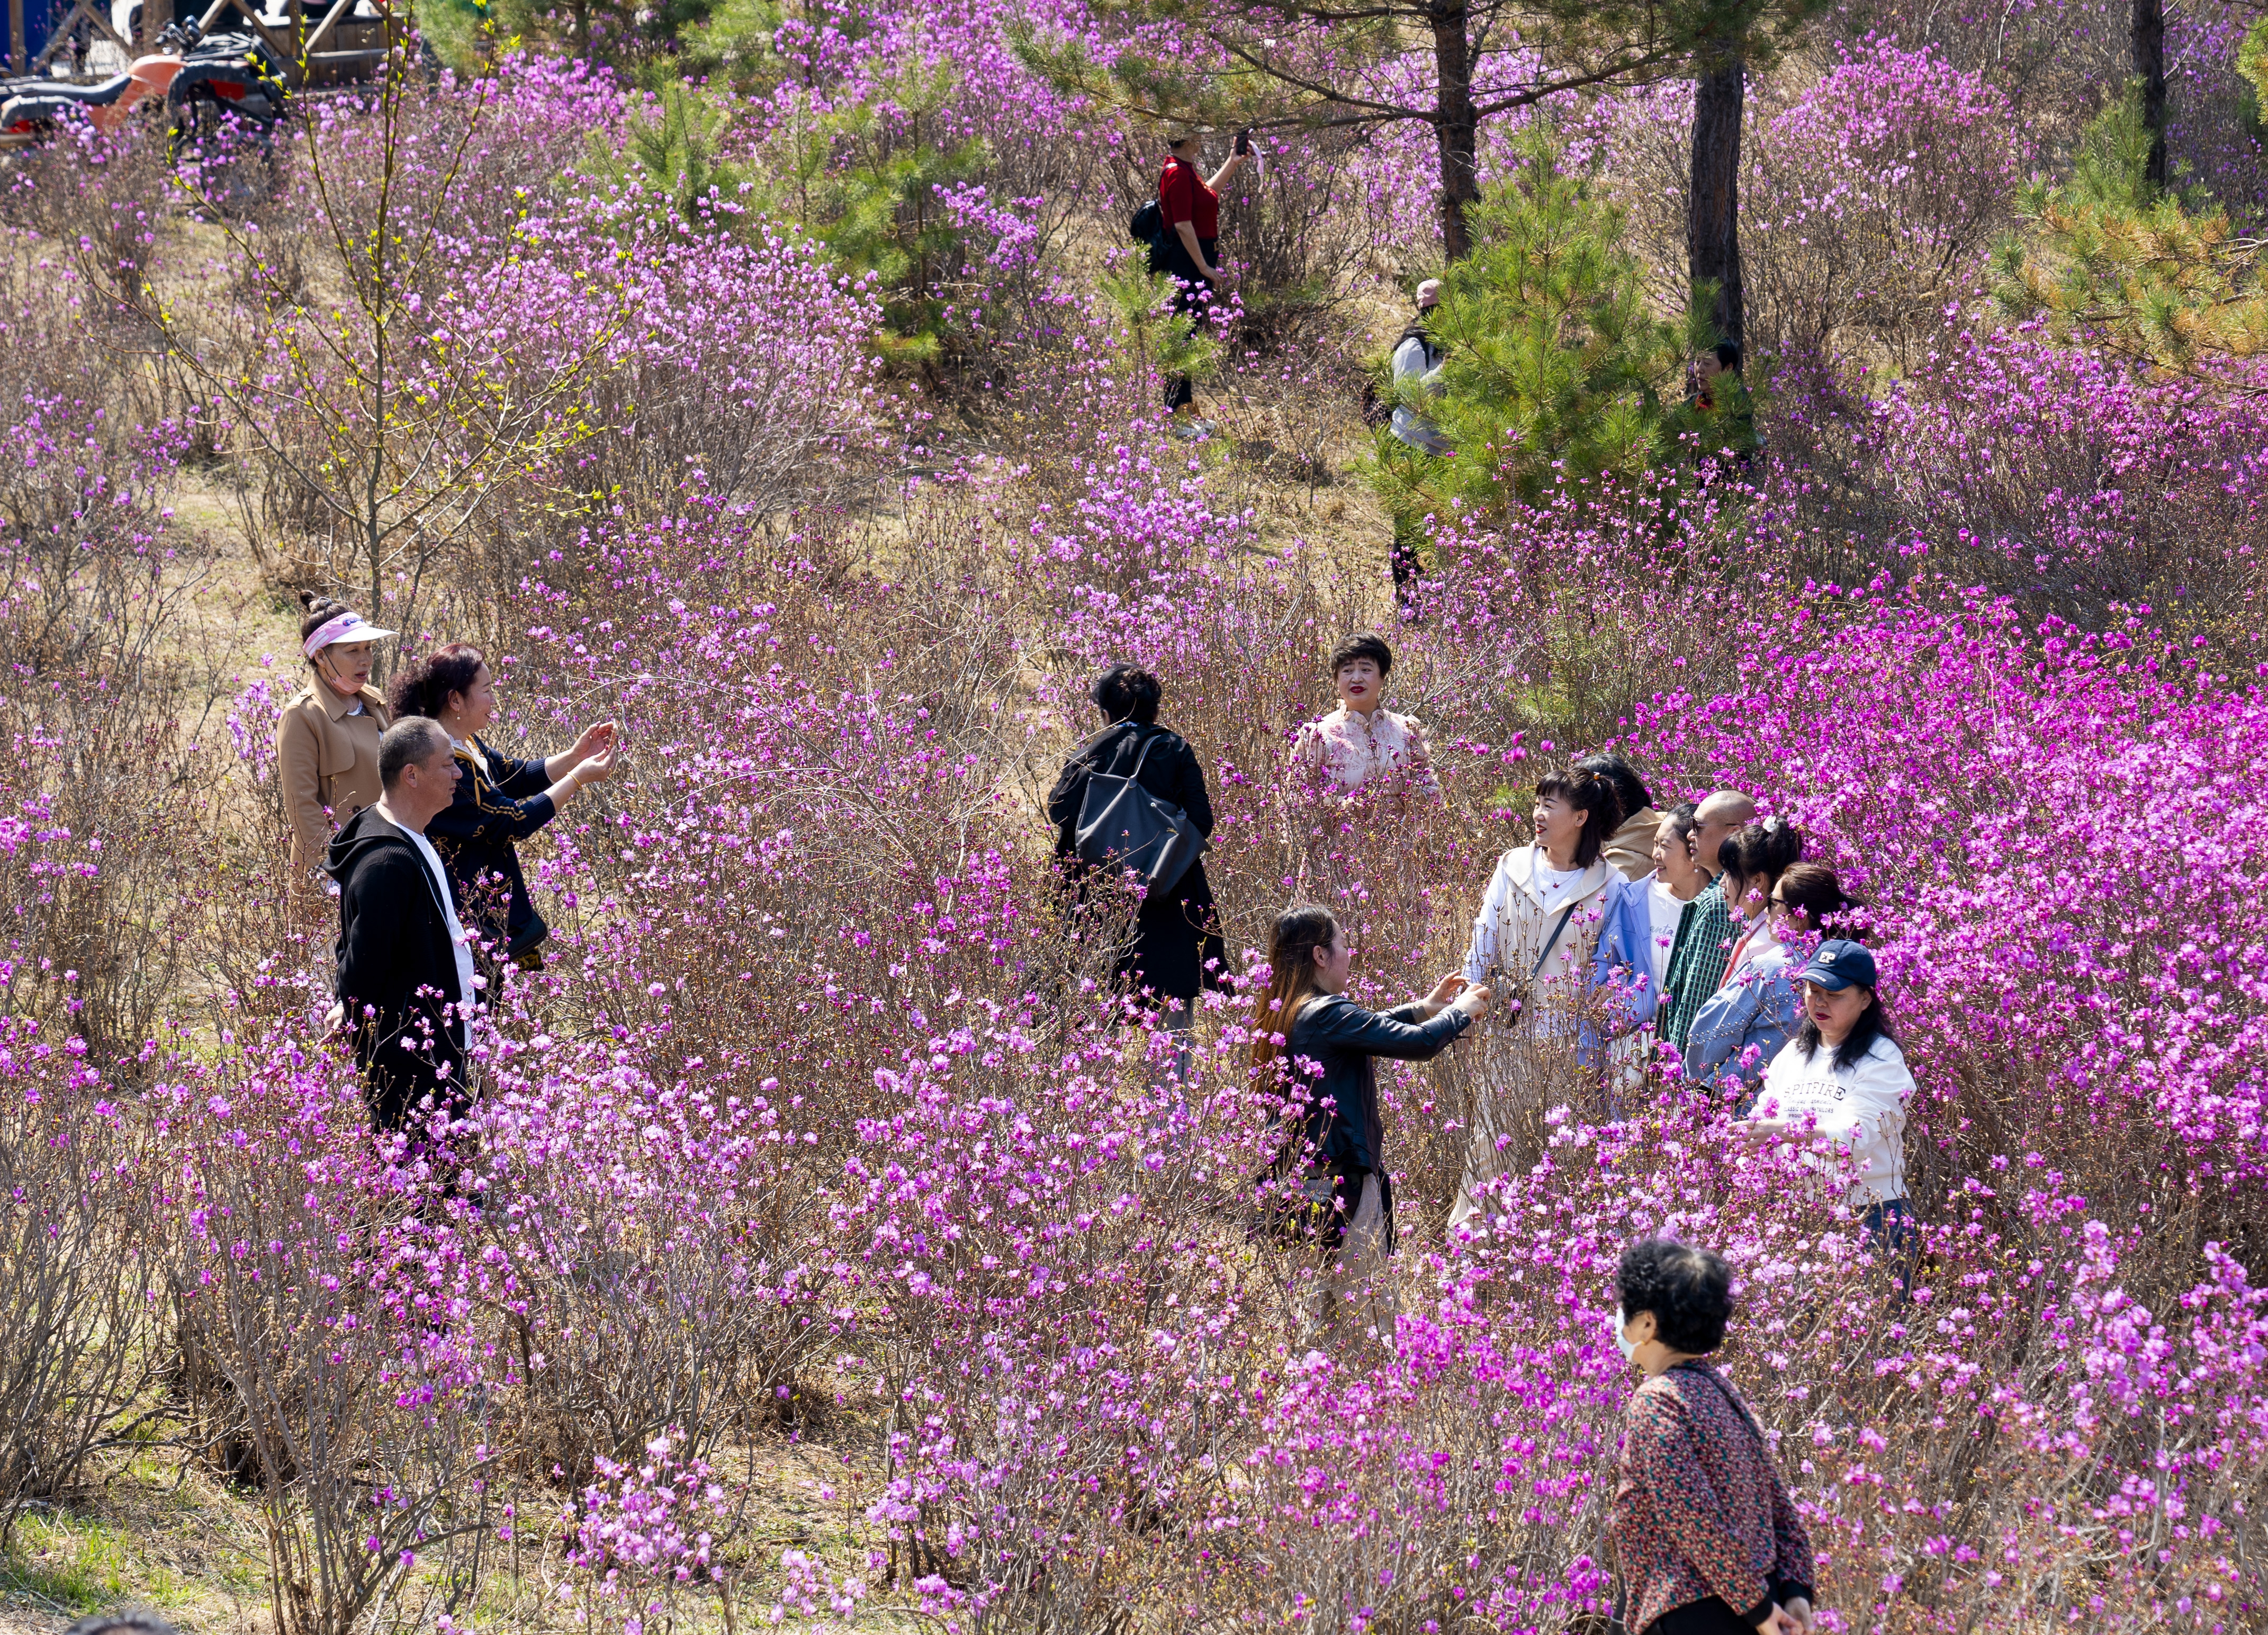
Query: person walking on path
{"points": [[1176, 951], [1320, 1048], [405, 986], [1705, 1534], [1416, 364], [1705, 929], [1190, 207], [327, 736], [499, 801]]}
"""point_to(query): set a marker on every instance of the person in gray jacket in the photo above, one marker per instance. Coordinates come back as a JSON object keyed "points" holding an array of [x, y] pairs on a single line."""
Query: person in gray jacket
{"points": [[1418, 360]]}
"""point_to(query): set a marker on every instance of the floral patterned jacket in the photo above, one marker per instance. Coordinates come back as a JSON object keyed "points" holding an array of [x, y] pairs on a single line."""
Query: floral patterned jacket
{"points": [[1344, 751], [1699, 1510]]}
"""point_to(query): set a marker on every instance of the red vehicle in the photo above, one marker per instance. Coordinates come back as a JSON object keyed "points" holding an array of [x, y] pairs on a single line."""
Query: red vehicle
{"points": [[199, 82]]}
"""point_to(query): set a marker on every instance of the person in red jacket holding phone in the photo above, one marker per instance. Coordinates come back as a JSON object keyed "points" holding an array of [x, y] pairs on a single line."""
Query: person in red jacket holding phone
{"points": [[1190, 207]]}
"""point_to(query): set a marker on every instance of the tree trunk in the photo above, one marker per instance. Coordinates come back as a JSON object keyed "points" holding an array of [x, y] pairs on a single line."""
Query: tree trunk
{"points": [[1713, 211], [2149, 49], [1455, 128]]}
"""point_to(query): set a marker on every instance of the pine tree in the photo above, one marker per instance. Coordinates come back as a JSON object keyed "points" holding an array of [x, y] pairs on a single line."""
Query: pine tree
{"points": [[1316, 63], [1557, 370], [2156, 274]]}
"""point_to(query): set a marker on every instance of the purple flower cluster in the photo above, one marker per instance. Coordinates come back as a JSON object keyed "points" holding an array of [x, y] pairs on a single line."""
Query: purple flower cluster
{"points": [[822, 1128]]}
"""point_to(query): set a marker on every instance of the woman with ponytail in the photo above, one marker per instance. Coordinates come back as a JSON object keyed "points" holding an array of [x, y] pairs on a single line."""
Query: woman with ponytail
{"points": [[327, 737], [1316, 1046]]}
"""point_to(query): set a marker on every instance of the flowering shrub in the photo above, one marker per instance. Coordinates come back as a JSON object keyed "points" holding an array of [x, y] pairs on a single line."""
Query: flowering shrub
{"points": [[2061, 476], [1872, 198], [819, 1151], [1868, 198]]}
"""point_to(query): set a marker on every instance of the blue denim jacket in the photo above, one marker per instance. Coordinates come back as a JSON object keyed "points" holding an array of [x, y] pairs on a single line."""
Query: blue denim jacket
{"points": [[1622, 969], [1757, 1006]]}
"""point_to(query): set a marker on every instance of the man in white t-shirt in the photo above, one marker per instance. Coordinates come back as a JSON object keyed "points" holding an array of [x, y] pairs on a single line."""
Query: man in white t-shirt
{"points": [[406, 986]]}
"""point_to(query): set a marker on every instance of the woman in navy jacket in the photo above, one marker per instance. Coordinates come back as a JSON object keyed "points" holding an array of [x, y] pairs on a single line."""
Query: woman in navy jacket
{"points": [[499, 801], [1318, 1046]]}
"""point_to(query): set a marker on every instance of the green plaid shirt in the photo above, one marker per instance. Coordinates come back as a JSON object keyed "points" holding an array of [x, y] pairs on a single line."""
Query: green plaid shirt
{"points": [[1696, 961]]}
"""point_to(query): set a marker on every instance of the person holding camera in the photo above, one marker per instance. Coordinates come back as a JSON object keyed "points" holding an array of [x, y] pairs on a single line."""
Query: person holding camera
{"points": [[1189, 208]]}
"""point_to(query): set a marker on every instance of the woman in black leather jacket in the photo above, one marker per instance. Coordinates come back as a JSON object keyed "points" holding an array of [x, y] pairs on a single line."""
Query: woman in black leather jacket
{"points": [[1325, 1044]]}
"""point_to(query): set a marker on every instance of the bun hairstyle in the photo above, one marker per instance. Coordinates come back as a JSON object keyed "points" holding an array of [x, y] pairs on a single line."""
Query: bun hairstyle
{"points": [[1593, 796], [1127, 692], [1762, 851], [423, 686], [320, 611]]}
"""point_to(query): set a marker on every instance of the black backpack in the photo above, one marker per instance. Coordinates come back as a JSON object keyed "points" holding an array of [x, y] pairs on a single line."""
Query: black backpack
{"points": [[1147, 226]]}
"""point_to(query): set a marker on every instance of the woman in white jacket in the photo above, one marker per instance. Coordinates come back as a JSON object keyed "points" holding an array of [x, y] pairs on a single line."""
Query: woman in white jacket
{"points": [[1533, 939], [1841, 1086]]}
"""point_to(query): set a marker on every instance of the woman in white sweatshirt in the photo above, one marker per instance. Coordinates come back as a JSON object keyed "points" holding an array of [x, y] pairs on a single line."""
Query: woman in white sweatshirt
{"points": [[1841, 1087], [1533, 939]]}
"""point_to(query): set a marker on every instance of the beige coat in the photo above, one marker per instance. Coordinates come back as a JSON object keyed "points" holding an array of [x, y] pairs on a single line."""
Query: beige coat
{"points": [[326, 757], [1510, 935], [1631, 847]]}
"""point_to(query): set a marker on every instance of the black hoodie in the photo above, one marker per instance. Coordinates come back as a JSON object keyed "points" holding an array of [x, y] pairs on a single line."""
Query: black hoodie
{"points": [[397, 972]]}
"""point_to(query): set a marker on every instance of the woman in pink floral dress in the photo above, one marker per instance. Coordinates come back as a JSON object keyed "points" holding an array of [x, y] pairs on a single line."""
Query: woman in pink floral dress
{"points": [[1362, 744]]}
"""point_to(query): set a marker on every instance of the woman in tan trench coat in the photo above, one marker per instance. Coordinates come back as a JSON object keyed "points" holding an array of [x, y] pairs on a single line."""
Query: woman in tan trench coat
{"points": [[327, 737]]}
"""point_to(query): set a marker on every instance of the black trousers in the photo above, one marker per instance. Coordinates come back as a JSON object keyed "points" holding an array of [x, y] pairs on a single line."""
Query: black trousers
{"points": [[1192, 300], [1709, 1617]]}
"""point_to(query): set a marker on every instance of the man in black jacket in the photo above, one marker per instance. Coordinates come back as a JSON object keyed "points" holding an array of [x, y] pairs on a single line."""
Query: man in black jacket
{"points": [[405, 982]]}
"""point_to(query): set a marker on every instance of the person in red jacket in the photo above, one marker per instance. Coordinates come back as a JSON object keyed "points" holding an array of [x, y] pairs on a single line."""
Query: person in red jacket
{"points": [[1190, 207]]}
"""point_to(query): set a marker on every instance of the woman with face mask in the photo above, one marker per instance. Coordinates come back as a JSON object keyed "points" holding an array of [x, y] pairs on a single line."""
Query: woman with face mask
{"points": [[1705, 1532], [327, 737]]}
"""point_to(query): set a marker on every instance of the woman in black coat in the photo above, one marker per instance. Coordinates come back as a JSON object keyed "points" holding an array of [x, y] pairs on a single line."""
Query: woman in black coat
{"points": [[1177, 951], [500, 802]]}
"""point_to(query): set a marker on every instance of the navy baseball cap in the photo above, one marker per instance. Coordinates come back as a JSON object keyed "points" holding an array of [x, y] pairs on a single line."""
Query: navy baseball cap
{"points": [[1840, 963]]}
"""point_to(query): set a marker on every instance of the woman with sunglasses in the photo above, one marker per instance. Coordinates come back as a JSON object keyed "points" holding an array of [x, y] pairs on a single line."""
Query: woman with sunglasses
{"points": [[1743, 1026]]}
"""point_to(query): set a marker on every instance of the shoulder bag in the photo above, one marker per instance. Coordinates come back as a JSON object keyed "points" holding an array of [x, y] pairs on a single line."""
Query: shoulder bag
{"points": [[1122, 826], [1517, 993]]}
